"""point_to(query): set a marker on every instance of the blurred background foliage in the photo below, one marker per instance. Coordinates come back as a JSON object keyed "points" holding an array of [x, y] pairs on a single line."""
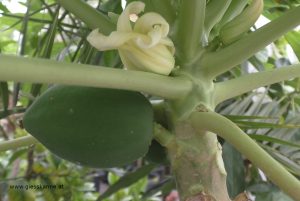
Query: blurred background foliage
{"points": [[41, 28]]}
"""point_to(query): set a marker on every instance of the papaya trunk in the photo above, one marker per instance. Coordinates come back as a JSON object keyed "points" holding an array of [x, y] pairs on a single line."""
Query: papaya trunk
{"points": [[196, 160]]}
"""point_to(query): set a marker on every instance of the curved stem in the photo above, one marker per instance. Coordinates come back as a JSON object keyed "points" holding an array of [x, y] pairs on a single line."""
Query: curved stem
{"points": [[243, 84], [163, 136], [235, 8], [214, 12], [190, 28], [242, 23], [49, 71], [16, 143], [90, 16], [242, 142], [216, 63]]}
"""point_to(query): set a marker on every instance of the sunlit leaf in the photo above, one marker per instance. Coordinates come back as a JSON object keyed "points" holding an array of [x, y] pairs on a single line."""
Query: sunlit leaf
{"points": [[127, 180], [293, 39], [274, 140], [3, 7], [165, 187]]}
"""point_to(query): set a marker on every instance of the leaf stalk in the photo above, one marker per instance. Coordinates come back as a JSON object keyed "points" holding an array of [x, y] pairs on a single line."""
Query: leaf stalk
{"points": [[49, 71], [223, 127]]}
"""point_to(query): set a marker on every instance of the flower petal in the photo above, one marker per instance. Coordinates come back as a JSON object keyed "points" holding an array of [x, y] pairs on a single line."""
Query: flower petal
{"points": [[113, 41], [158, 59], [124, 23], [144, 47], [148, 21], [154, 26]]}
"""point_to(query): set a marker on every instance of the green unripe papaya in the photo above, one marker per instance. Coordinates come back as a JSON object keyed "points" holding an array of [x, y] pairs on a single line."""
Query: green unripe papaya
{"points": [[92, 126]]}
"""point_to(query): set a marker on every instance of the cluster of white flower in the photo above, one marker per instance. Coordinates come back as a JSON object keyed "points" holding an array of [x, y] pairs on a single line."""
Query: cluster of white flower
{"points": [[145, 46]]}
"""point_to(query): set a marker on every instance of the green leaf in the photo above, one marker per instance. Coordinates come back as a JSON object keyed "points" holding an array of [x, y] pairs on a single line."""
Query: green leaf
{"points": [[293, 39], [17, 192], [3, 8], [251, 124], [127, 180], [48, 196], [17, 155], [138, 187], [111, 6], [273, 194], [291, 165], [234, 165], [47, 49], [165, 8], [46, 53], [165, 187], [273, 140], [246, 117]]}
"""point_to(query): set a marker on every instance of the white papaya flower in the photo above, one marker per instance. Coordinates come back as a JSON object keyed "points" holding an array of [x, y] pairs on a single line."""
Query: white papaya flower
{"points": [[144, 46]]}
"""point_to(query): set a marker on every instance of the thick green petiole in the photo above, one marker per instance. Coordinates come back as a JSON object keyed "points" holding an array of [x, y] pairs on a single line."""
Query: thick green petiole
{"points": [[235, 8], [190, 27], [243, 84], [216, 63], [242, 23], [16, 143], [48, 71], [214, 12], [210, 121]]}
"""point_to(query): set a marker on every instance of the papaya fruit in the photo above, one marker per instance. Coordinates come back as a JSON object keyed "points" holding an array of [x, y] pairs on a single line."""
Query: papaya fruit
{"points": [[93, 127]]}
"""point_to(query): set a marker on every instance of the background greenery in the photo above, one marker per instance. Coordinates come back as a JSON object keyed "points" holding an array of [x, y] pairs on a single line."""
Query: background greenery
{"points": [[269, 115]]}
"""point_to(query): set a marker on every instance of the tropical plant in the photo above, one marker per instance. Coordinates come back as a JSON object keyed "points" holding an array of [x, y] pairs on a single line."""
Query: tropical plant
{"points": [[171, 72]]}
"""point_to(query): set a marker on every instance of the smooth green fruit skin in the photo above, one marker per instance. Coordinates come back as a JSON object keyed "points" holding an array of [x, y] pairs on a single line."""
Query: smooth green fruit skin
{"points": [[92, 126]]}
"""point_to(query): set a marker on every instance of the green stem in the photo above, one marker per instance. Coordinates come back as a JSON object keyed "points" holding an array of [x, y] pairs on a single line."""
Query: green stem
{"points": [[216, 63], [190, 28], [42, 21], [243, 84], [235, 8], [214, 12], [49, 71], [16, 143], [242, 142], [89, 15], [163, 136], [237, 27]]}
